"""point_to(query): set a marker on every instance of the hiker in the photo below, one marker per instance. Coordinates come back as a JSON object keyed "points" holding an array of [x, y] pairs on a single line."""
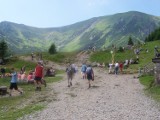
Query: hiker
{"points": [[121, 67], [3, 72], [126, 63], [76, 68], [103, 65], [50, 72], [90, 75], [13, 84], [30, 78], [116, 68], [83, 70], [70, 70], [38, 75], [157, 53], [110, 67], [32, 56], [23, 77], [23, 69]]}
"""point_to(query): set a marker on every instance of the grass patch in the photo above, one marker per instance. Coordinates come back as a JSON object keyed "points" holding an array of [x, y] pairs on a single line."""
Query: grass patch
{"points": [[150, 88], [144, 57], [16, 63], [14, 113], [60, 57], [12, 107]]}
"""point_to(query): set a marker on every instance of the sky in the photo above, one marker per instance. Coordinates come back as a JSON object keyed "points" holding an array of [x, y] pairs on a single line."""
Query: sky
{"points": [[57, 13]]}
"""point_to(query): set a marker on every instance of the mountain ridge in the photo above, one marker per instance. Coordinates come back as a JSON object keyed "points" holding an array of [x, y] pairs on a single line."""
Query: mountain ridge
{"points": [[101, 32]]}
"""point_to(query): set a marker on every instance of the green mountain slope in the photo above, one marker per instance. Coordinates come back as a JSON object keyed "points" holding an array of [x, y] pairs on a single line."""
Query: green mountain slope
{"points": [[100, 32]]}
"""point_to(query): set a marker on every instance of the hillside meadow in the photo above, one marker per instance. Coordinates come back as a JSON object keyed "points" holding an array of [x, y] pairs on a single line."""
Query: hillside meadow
{"points": [[144, 57]]}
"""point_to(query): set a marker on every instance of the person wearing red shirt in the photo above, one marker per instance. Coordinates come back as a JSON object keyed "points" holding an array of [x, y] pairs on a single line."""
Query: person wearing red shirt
{"points": [[121, 67], [38, 75]]}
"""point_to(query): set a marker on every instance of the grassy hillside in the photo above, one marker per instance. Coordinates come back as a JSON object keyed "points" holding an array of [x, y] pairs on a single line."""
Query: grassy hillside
{"points": [[144, 57], [100, 32]]}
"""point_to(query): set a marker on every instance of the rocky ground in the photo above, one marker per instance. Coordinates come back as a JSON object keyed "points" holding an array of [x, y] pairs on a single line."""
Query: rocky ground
{"points": [[111, 97]]}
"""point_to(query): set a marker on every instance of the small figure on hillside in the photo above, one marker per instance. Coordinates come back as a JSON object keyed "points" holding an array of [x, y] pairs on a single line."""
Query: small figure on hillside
{"points": [[70, 70], [23, 69], [131, 61], [103, 65], [121, 67], [39, 74], [13, 84], [110, 67], [50, 72], [90, 75], [30, 77], [83, 70], [23, 77], [126, 63], [32, 56], [157, 53], [116, 68], [3, 72]]}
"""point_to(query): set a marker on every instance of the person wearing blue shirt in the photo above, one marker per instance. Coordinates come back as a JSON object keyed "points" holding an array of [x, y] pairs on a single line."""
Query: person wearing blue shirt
{"points": [[13, 83], [83, 70]]}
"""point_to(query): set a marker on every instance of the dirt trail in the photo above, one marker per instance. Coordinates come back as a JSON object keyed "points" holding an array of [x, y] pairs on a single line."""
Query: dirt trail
{"points": [[111, 97]]}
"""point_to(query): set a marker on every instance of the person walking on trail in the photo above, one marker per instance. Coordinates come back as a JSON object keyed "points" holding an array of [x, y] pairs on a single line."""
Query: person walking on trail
{"points": [[121, 67], [83, 70], [13, 84], [110, 68], [38, 76], [90, 75], [116, 68], [70, 70]]}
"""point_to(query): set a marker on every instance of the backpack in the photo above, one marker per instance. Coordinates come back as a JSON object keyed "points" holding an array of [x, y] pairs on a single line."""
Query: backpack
{"points": [[84, 67], [71, 70], [89, 71]]}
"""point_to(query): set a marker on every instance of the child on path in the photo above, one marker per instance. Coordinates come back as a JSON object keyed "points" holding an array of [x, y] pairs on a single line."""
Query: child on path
{"points": [[90, 75], [13, 84]]}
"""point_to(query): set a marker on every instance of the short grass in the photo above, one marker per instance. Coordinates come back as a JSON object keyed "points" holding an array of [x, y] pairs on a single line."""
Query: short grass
{"points": [[60, 57], [17, 64], [150, 88]]}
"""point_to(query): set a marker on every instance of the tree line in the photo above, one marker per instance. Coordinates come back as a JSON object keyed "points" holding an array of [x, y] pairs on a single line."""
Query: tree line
{"points": [[155, 35]]}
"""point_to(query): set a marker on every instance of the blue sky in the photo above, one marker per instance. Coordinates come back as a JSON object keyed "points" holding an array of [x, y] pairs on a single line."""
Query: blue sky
{"points": [[56, 13]]}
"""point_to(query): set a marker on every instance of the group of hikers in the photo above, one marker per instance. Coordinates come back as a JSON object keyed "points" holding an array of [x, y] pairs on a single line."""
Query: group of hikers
{"points": [[38, 73], [86, 71], [36, 77]]}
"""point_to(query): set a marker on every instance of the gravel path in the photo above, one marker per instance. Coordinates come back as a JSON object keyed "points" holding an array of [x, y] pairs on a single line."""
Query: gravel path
{"points": [[111, 97]]}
